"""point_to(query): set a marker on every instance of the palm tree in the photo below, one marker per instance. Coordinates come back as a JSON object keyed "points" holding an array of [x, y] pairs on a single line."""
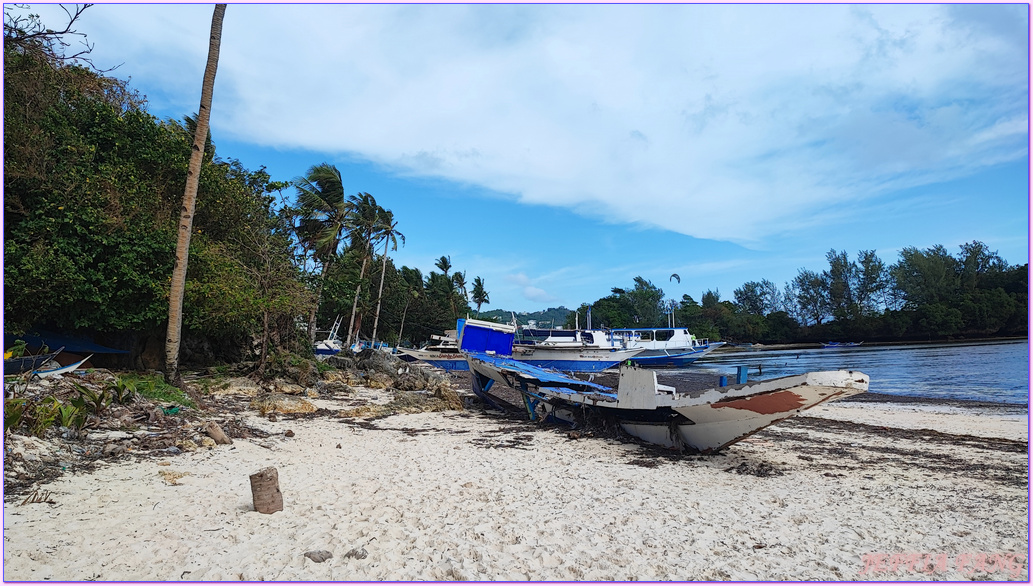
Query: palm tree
{"points": [[186, 219], [388, 230], [324, 218], [460, 282], [444, 263], [364, 221], [188, 128], [414, 287], [480, 296]]}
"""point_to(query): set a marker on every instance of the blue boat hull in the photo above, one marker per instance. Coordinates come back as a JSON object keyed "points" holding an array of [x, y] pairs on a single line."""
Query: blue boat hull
{"points": [[572, 365], [448, 365], [674, 361]]}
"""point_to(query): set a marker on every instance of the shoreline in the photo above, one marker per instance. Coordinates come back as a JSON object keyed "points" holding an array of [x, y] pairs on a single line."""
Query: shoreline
{"points": [[727, 347]]}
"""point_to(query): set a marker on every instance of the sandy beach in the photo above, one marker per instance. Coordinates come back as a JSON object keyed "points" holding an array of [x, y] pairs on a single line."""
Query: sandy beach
{"points": [[852, 491]]}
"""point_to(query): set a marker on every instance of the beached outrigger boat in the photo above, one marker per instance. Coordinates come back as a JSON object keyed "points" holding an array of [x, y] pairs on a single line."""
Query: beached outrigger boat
{"points": [[705, 421], [664, 347], [443, 354]]}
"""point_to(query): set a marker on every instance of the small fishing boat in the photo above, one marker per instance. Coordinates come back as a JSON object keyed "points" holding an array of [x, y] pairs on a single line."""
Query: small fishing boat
{"points": [[443, 353], [574, 351], [331, 345], [23, 364], [664, 347], [58, 370], [841, 344], [705, 421]]}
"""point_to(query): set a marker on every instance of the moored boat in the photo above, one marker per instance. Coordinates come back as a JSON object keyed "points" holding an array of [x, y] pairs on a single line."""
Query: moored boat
{"points": [[841, 344], [331, 345], [664, 347], [574, 351], [444, 353], [704, 421]]}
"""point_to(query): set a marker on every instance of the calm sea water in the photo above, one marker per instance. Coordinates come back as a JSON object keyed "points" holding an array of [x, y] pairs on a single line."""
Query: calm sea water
{"points": [[996, 371]]}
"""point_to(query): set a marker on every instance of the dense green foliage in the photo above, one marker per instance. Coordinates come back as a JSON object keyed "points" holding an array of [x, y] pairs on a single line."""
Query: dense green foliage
{"points": [[926, 294], [93, 185]]}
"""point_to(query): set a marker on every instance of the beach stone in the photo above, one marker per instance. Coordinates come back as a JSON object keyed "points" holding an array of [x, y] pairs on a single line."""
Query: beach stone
{"points": [[110, 436], [237, 386], [378, 361], [187, 445], [358, 553], [113, 450], [287, 388], [319, 556], [341, 362], [379, 380], [281, 404]]}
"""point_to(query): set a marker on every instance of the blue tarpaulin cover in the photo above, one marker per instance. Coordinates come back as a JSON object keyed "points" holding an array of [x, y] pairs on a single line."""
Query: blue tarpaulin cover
{"points": [[536, 375], [73, 344]]}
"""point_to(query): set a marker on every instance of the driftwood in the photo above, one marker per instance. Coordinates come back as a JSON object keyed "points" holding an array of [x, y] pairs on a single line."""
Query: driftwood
{"points": [[265, 491], [215, 432]]}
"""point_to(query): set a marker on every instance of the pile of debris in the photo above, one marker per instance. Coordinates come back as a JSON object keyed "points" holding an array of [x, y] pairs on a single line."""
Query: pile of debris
{"points": [[134, 426]]}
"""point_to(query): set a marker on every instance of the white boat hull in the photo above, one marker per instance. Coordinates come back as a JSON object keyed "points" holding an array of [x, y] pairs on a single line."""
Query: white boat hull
{"points": [[746, 409]]}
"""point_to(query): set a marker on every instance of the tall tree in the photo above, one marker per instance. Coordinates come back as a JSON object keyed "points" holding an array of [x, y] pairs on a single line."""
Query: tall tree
{"points": [[926, 277], [840, 279], [414, 290], [444, 263], [388, 230], [750, 298], [179, 273], [324, 216], [812, 296], [480, 296], [459, 278], [363, 226], [870, 282]]}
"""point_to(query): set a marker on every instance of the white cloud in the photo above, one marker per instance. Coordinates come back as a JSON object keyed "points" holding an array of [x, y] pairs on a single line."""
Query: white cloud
{"points": [[725, 122], [538, 295]]}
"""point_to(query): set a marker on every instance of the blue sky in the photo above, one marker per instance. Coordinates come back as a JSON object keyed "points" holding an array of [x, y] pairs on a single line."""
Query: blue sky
{"points": [[558, 151]]}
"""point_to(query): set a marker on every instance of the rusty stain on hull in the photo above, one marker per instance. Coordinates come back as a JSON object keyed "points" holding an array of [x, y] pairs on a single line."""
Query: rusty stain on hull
{"points": [[766, 404]]}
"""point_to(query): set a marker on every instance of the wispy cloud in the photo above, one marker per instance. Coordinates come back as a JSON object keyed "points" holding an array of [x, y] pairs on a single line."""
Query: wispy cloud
{"points": [[736, 122]]}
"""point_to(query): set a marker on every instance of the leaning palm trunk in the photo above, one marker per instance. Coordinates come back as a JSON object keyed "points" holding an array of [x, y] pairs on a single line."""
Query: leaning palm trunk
{"points": [[315, 308], [380, 294], [404, 309], [186, 219], [355, 303]]}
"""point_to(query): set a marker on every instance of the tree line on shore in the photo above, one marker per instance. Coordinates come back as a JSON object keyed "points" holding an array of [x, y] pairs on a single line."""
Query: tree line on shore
{"points": [[93, 186], [926, 295]]}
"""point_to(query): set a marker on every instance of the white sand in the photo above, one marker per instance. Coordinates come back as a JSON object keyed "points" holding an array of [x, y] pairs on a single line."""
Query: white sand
{"points": [[440, 496], [981, 422]]}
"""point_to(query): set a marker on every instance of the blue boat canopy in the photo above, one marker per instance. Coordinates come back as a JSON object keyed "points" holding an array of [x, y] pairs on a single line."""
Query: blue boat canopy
{"points": [[71, 343]]}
